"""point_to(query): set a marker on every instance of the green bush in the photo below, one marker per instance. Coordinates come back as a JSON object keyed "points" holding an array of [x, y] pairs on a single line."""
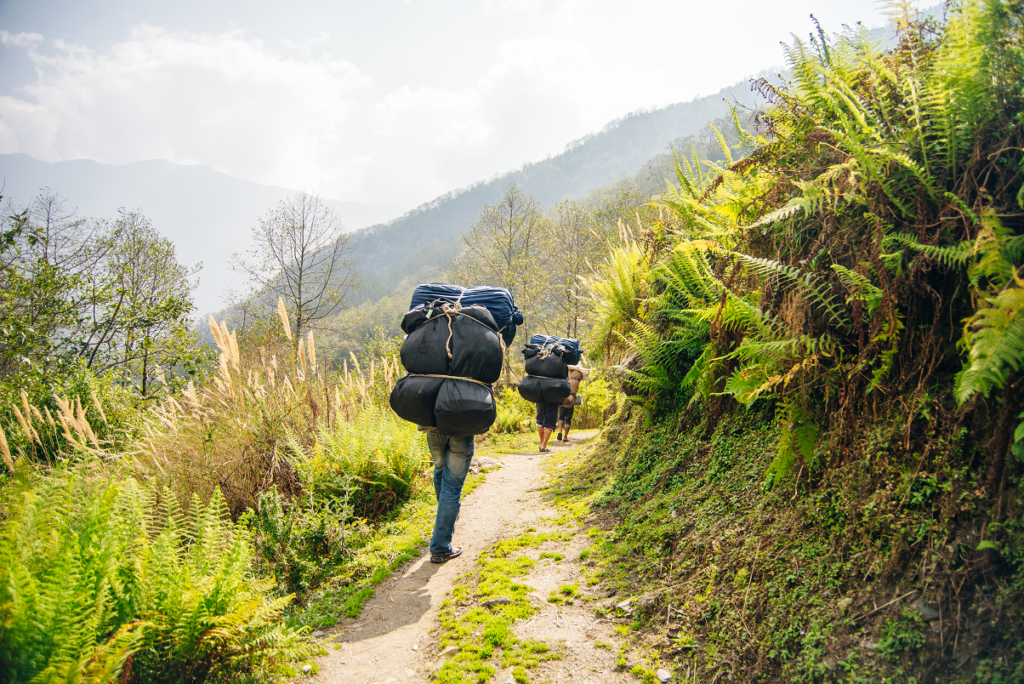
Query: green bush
{"points": [[376, 451], [599, 394], [107, 581], [300, 543], [515, 414]]}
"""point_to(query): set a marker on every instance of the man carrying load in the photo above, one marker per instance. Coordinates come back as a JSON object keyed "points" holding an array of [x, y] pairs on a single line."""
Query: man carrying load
{"points": [[569, 404], [453, 353], [546, 384]]}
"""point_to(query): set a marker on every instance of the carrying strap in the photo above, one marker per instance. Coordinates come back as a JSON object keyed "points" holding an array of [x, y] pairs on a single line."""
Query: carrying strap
{"points": [[448, 377]]}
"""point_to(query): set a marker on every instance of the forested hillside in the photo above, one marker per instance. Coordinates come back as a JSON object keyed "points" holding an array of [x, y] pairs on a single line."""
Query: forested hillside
{"points": [[394, 251]]}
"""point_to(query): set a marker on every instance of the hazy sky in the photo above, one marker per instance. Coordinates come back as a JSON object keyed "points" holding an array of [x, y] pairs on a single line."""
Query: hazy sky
{"points": [[385, 101]]}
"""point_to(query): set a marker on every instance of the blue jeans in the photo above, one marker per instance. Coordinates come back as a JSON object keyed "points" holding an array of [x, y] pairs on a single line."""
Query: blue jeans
{"points": [[452, 456]]}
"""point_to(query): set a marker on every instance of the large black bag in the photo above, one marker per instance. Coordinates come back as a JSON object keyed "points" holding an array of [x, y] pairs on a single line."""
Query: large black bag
{"points": [[571, 351], [457, 408], [414, 398], [425, 350], [476, 350], [550, 390], [546, 365], [421, 314], [497, 300], [464, 408]]}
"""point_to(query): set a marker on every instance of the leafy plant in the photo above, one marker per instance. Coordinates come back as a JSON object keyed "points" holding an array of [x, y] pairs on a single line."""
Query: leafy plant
{"points": [[514, 414], [111, 582]]}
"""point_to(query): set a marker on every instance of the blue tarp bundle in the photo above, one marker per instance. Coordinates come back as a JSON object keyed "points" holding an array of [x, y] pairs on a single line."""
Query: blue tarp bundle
{"points": [[497, 300], [573, 346]]}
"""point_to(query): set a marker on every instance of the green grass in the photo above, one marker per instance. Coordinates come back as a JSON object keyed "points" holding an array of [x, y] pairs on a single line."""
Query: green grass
{"points": [[484, 635], [565, 594]]}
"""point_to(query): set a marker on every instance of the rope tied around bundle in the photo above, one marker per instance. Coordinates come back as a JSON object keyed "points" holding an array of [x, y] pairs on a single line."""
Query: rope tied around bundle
{"points": [[450, 377], [451, 310]]}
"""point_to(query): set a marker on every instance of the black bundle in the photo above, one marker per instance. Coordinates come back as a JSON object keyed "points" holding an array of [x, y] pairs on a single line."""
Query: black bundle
{"points": [[546, 374], [461, 344], [548, 390], [567, 348], [470, 335], [544, 362]]}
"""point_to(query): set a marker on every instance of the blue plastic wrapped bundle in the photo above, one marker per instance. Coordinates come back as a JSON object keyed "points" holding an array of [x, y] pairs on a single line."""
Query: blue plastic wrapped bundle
{"points": [[572, 353], [497, 300]]}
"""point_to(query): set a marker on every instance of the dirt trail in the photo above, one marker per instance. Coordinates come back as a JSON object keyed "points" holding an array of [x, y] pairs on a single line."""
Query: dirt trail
{"points": [[392, 641]]}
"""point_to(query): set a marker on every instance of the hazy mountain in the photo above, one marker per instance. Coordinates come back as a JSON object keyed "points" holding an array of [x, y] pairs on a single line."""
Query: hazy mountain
{"points": [[206, 213], [209, 214], [424, 239]]}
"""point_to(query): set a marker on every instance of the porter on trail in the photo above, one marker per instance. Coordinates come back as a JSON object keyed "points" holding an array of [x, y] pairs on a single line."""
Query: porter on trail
{"points": [[453, 352], [547, 381]]}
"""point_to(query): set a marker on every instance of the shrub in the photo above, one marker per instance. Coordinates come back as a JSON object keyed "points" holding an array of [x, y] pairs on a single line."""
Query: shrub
{"points": [[371, 461], [515, 414], [236, 433], [45, 419], [299, 544], [106, 581], [599, 394]]}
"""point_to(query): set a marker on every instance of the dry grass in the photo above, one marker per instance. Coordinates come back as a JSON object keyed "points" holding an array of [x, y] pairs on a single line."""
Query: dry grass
{"points": [[239, 432]]}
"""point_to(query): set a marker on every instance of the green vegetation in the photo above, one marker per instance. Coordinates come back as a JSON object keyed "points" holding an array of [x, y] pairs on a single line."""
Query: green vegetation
{"points": [[811, 344], [113, 582], [816, 478], [175, 532], [484, 633]]}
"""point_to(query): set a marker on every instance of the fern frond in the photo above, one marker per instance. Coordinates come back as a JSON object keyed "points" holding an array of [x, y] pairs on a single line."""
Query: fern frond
{"points": [[994, 338], [794, 277]]}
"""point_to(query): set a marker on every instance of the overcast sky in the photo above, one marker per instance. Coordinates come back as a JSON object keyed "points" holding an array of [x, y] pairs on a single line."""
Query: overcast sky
{"points": [[384, 101]]}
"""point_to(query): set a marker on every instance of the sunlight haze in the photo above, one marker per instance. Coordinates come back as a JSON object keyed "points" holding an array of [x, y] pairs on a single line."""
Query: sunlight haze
{"points": [[388, 102]]}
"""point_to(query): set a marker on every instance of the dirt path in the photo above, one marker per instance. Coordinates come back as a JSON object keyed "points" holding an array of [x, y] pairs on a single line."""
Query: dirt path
{"points": [[394, 640]]}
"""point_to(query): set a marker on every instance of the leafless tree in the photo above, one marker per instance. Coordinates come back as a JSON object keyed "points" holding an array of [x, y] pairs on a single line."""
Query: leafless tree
{"points": [[575, 241], [298, 254], [506, 248]]}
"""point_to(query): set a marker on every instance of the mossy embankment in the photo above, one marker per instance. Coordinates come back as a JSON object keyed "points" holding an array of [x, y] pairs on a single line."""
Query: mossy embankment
{"points": [[895, 563]]}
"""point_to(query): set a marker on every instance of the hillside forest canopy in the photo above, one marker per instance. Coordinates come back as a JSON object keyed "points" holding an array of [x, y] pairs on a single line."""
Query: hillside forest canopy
{"points": [[806, 334]]}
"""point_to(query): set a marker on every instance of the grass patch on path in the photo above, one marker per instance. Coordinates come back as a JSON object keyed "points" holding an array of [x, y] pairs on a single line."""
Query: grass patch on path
{"points": [[483, 633]]}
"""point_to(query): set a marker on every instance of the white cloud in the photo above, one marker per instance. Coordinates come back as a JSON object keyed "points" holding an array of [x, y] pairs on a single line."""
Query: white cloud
{"points": [[459, 91], [19, 39], [224, 100]]}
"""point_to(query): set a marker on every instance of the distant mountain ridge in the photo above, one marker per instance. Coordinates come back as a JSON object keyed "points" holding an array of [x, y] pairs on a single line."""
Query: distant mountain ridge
{"points": [[393, 251], [208, 214]]}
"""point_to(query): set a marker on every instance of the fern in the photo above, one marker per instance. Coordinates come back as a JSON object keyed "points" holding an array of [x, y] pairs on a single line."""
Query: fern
{"points": [[798, 436], [994, 338], [794, 277], [860, 287], [951, 256], [98, 583]]}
